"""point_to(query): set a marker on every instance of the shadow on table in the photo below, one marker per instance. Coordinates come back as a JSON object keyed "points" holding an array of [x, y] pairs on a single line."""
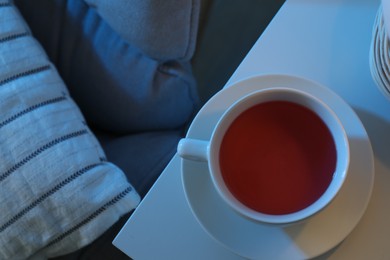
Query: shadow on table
{"points": [[379, 133]]}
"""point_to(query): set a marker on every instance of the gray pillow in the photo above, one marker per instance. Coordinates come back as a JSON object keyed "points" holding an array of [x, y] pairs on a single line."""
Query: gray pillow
{"points": [[163, 30], [119, 87], [57, 190]]}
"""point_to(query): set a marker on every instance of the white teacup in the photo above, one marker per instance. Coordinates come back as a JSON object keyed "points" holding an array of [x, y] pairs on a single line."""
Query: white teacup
{"points": [[276, 156]]}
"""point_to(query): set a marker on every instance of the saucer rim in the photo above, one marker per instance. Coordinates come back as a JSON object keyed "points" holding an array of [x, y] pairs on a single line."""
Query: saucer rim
{"points": [[246, 86]]}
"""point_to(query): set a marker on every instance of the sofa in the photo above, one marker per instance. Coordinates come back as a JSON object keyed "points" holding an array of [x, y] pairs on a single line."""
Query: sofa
{"points": [[98, 95]]}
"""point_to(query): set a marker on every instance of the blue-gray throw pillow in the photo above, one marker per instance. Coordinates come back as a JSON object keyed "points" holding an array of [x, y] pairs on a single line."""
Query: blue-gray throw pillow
{"points": [[119, 86], [57, 190]]}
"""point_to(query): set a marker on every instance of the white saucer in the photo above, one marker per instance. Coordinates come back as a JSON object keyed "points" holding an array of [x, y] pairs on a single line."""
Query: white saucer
{"points": [[253, 240]]}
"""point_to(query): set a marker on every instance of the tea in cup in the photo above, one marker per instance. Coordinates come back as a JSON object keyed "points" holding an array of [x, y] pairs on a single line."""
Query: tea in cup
{"points": [[276, 156]]}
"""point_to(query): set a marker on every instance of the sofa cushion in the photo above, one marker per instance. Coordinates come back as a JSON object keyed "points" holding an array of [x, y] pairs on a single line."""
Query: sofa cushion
{"points": [[57, 190], [163, 30], [118, 88]]}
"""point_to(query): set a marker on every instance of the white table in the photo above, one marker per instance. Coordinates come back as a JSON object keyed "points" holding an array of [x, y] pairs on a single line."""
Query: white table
{"points": [[323, 40]]}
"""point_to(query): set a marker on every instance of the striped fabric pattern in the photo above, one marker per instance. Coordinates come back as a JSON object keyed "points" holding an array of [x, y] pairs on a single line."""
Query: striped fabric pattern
{"points": [[57, 190]]}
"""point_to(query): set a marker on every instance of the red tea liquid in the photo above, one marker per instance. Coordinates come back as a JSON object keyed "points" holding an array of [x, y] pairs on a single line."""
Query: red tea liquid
{"points": [[277, 157]]}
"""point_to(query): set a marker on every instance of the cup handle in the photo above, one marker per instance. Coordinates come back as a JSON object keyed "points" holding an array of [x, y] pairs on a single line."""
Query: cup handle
{"points": [[193, 149]]}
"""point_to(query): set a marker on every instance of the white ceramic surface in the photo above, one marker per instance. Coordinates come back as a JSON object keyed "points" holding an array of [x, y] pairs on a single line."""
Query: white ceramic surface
{"points": [[189, 148], [309, 239], [379, 55]]}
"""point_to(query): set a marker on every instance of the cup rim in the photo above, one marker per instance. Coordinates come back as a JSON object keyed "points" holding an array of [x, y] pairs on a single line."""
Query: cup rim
{"points": [[321, 203]]}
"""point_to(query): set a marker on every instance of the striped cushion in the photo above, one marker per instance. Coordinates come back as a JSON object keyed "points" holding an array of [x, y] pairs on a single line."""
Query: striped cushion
{"points": [[57, 191]]}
